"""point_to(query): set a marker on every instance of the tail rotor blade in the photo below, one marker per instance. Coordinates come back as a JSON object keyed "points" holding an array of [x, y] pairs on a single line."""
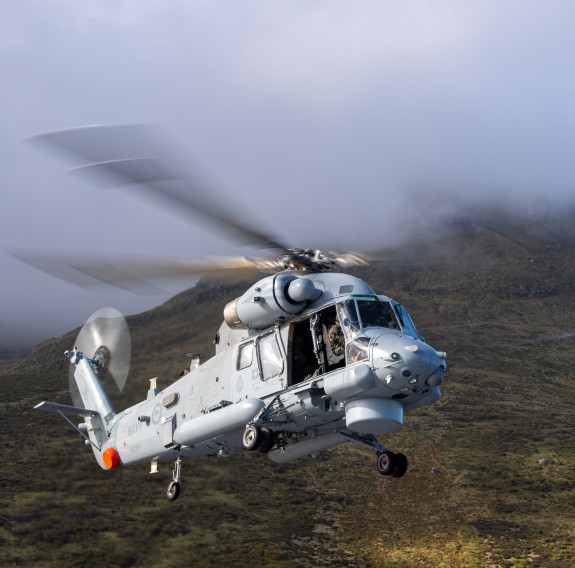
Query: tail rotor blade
{"points": [[105, 337]]}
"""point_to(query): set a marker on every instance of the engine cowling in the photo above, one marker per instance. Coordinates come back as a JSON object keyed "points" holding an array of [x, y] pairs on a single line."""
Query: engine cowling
{"points": [[273, 299]]}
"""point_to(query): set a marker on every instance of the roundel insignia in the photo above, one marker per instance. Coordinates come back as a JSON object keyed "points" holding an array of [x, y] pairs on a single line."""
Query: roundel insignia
{"points": [[157, 414]]}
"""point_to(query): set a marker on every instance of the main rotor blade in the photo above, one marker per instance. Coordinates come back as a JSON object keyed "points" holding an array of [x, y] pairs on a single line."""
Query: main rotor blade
{"points": [[133, 274], [134, 154]]}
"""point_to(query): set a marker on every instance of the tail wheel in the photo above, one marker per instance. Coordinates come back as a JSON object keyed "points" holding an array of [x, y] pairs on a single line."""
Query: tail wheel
{"points": [[252, 438], [173, 491], [386, 462], [268, 440], [400, 465]]}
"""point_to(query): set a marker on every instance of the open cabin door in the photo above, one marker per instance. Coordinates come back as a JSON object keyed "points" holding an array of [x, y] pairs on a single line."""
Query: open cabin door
{"points": [[317, 346]]}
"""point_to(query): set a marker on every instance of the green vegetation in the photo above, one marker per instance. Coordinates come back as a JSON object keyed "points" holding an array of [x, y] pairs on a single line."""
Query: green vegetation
{"points": [[507, 405]]}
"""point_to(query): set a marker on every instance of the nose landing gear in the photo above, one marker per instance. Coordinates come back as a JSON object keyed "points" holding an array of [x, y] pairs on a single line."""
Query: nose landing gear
{"points": [[392, 464], [388, 463]]}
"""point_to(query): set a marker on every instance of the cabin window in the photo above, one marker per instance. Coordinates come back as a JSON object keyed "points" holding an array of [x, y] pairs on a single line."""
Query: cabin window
{"points": [[245, 355], [270, 358]]}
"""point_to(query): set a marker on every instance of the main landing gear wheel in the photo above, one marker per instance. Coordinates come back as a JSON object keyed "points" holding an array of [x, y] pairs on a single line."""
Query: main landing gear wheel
{"points": [[392, 464], [268, 440], [173, 491], [252, 438]]}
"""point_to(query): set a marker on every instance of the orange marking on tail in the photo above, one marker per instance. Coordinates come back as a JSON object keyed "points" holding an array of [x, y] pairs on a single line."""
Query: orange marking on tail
{"points": [[111, 458]]}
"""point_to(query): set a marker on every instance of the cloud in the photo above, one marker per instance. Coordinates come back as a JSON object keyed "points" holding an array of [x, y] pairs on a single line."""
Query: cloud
{"points": [[328, 120]]}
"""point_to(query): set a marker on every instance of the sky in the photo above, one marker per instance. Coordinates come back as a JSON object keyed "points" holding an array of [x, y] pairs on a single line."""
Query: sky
{"points": [[336, 124]]}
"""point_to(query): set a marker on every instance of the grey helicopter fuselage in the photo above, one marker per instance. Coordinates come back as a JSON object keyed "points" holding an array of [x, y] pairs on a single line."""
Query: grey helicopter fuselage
{"points": [[306, 358], [277, 367]]}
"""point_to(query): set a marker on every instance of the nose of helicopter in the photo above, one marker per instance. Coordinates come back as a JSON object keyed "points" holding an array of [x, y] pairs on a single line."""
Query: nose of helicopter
{"points": [[405, 364]]}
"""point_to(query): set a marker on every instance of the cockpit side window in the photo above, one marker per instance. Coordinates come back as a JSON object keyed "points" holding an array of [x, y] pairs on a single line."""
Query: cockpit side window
{"points": [[406, 321], [358, 350], [347, 314]]}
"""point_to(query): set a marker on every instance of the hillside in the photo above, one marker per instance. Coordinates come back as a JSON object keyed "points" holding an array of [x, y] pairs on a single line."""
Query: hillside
{"points": [[498, 306]]}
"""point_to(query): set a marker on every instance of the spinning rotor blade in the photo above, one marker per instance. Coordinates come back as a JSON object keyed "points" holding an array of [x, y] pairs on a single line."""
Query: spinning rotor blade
{"points": [[547, 338], [105, 337], [134, 274], [350, 259], [132, 155], [135, 155]]}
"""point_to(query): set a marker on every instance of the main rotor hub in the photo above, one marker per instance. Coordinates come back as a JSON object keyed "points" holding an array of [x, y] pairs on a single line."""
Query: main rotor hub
{"points": [[312, 260], [308, 259]]}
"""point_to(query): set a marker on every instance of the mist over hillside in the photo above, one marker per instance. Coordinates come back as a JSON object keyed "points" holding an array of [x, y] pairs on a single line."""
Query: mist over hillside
{"points": [[426, 230]]}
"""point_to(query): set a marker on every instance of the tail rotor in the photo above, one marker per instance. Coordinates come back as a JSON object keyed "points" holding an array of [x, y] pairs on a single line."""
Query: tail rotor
{"points": [[104, 338]]}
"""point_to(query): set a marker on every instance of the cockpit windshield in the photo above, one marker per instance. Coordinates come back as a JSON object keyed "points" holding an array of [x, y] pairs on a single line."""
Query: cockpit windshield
{"points": [[362, 313], [375, 313]]}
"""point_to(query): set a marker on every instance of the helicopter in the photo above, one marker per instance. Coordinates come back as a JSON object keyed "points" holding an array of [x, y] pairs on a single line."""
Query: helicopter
{"points": [[306, 359]]}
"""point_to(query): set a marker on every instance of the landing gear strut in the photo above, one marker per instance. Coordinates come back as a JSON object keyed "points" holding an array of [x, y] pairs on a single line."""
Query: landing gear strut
{"points": [[388, 463], [173, 491]]}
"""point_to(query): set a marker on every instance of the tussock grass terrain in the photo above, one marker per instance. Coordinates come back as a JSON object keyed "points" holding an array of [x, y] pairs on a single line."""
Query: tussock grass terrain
{"points": [[492, 465]]}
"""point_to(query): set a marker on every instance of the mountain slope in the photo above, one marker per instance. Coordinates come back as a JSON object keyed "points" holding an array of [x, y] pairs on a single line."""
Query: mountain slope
{"points": [[497, 306]]}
